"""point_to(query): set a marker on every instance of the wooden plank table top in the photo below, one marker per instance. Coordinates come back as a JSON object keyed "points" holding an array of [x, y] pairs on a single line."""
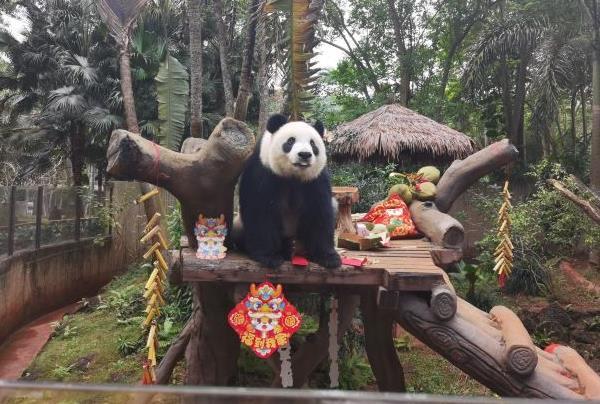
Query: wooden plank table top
{"points": [[405, 266]]}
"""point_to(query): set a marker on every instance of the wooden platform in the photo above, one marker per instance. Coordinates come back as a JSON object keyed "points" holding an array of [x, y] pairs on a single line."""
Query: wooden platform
{"points": [[406, 266]]}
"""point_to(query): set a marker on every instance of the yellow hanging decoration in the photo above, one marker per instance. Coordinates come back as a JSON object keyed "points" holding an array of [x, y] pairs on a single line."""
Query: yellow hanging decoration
{"points": [[154, 287], [504, 251]]}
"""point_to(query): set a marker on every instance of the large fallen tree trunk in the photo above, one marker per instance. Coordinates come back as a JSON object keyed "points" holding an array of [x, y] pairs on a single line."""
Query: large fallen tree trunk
{"points": [[463, 173], [586, 206]]}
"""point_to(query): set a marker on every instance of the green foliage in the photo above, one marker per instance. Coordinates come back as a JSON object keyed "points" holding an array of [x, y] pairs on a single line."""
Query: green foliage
{"points": [[173, 91], [371, 180], [541, 338], [175, 226], [469, 273], [544, 226], [355, 373]]}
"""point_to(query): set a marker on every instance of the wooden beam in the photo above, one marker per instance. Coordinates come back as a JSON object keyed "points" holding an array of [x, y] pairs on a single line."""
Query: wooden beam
{"points": [[463, 173], [441, 228]]}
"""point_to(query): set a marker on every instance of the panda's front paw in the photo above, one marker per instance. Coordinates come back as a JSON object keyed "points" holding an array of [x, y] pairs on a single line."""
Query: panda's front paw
{"points": [[328, 260], [269, 261]]}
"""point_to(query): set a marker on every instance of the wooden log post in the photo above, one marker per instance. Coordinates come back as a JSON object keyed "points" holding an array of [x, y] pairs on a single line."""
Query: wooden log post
{"points": [[463, 173], [203, 180], [379, 345], [521, 357], [345, 197], [441, 228]]}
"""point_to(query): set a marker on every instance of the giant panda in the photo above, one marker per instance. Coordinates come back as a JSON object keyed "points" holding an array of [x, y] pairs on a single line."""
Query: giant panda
{"points": [[285, 196]]}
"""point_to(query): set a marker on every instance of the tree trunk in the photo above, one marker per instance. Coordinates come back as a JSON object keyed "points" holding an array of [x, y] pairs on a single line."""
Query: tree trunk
{"points": [[507, 107], [595, 155], [244, 90], [77, 140], [572, 140], [127, 90], [518, 111], [264, 51], [223, 56], [583, 115], [401, 53], [195, 28]]}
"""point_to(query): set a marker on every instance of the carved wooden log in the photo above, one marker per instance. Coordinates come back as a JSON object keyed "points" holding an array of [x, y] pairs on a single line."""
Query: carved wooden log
{"points": [[203, 181], [463, 173], [443, 302], [574, 363], [477, 353], [441, 228], [521, 356]]}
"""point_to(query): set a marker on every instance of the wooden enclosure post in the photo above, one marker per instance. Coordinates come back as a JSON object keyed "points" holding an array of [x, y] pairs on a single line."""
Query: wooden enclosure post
{"points": [[110, 205], [39, 212], [379, 344], [11, 220]]}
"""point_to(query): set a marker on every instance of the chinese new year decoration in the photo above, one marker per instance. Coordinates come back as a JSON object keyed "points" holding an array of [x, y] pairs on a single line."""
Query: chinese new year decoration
{"points": [[210, 233], [154, 287], [264, 319], [504, 251]]}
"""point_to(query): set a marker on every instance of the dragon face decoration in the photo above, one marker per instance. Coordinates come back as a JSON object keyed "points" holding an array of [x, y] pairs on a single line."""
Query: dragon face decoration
{"points": [[264, 319], [210, 234]]}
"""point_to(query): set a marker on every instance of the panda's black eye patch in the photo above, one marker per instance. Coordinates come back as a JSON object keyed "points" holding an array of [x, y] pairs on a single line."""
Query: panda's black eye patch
{"points": [[287, 146], [315, 149]]}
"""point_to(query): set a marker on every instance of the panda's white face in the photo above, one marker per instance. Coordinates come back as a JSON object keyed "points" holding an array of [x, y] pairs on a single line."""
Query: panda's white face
{"points": [[296, 150]]}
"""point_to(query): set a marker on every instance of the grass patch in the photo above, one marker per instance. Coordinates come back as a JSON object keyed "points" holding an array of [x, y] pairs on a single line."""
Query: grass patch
{"points": [[427, 372], [88, 346]]}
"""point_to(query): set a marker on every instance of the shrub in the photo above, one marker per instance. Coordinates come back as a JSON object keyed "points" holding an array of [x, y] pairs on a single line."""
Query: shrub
{"points": [[544, 226]]}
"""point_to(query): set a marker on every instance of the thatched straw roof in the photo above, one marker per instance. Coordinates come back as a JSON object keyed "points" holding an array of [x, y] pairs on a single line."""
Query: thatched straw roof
{"points": [[393, 131]]}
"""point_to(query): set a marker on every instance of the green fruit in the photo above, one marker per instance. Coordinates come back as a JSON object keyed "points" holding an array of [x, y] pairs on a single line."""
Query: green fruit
{"points": [[402, 190], [369, 226], [430, 174], [379, 228], [425, 191]]}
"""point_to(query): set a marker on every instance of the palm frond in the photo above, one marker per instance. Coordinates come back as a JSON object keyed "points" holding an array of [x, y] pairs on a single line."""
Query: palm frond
{"points": [[173, 92], [119, 16], [301, 77], [502, 38], [65, 100], [80, 70], [101, 120]]}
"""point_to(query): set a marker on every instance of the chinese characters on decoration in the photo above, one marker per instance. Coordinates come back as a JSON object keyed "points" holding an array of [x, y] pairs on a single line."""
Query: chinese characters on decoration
{"points": [[264, 319], [210, 233]]}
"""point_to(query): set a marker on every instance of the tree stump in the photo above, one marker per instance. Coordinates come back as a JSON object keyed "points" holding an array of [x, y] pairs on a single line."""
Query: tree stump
{"points": [[345, 197]]}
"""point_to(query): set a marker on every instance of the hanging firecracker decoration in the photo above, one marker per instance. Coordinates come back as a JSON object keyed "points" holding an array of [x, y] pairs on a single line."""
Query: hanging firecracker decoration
{"points": [[154, 287], [504, 251], [264, 319]]}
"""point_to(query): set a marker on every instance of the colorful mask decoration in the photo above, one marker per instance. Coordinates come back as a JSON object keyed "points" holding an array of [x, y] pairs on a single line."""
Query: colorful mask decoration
{"points": [[210, 234], [265, 320]]}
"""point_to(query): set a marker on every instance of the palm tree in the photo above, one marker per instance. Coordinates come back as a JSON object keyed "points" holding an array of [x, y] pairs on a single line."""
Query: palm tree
{"points": [[195, 28], [503, 39], [592, 10], [61, 79], [120, 17]]}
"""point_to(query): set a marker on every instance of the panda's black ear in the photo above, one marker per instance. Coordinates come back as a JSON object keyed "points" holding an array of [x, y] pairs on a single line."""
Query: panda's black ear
{"points": [[318, 125], [275, 122]]}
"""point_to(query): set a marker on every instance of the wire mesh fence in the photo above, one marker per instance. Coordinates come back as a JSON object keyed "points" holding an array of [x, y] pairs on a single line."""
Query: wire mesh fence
{"points": [[35, 216]]}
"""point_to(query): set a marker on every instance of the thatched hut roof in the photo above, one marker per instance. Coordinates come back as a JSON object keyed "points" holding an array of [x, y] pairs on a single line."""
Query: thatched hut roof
{"points": [[393, 131]]}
